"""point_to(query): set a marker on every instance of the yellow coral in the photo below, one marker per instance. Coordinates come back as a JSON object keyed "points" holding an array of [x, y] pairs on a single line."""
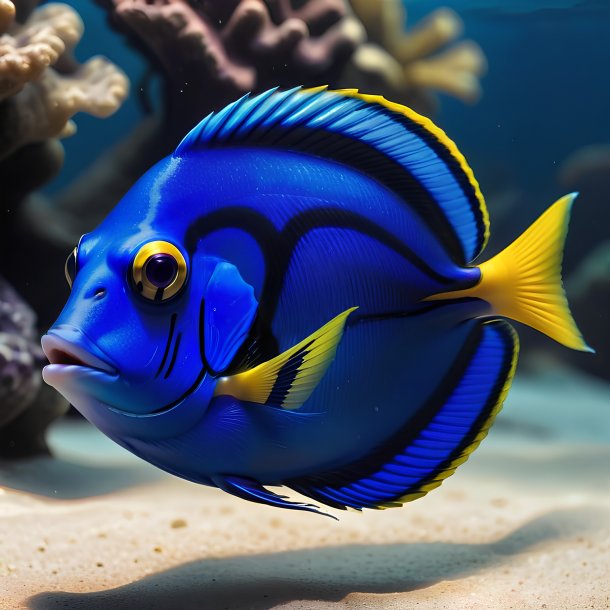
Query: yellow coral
{"points": [[407, 65]]}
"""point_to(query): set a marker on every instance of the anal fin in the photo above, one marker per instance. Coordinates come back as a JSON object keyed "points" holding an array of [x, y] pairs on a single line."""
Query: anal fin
{"points": [[249, 489], [431, 446]]}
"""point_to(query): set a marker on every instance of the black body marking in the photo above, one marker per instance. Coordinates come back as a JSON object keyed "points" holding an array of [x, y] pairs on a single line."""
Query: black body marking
{"points": [[172, 404], [286, 376], [172, 325], [366, 467], [424, 308], [278, 246], [200, 377], [204, 360], [172, 362]]}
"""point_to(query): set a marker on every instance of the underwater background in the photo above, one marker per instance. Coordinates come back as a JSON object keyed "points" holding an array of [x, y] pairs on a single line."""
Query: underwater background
{"points": [[522, 87], [543, 101]]}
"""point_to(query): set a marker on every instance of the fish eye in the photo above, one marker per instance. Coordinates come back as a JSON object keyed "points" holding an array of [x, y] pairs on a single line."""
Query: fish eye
{"points": [[158, 270], [70, 267]]}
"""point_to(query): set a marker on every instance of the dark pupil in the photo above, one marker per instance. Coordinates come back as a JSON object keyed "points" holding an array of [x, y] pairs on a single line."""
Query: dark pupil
{"points": [[161, 270]]}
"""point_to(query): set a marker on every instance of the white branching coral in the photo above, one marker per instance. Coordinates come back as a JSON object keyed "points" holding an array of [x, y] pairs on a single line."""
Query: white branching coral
{"points": [[38, 101], [41, 88]]}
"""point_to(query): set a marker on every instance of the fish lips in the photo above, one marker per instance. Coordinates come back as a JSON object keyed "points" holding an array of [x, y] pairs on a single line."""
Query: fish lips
{"points": [[85, 377], [72, 356]]}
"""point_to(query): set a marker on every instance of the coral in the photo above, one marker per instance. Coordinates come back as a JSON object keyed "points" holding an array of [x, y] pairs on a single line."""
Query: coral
{"points": [[41, 101], [408, 65], [41, 88], [209, 53], [587, 170], [19, 354], [22, 398], [27, 53]]}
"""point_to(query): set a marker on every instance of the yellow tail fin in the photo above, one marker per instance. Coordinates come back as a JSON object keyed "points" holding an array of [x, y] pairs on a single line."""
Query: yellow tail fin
{"points": [[523, 282]]}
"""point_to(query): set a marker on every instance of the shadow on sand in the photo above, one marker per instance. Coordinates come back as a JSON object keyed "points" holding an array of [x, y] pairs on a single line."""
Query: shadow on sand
{"points": [[259, 582], [61, 479]]}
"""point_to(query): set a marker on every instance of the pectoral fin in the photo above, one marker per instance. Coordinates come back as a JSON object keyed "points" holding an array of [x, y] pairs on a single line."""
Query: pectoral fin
{"points": [[229, 310], [288, 380]]}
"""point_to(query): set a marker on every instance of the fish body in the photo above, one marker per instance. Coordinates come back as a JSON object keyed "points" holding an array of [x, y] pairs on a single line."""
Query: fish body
{"points": [[288, 299]]}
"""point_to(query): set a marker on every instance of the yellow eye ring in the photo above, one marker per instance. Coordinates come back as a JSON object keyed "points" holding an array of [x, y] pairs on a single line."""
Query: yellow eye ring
{"points": [[158, 270]]}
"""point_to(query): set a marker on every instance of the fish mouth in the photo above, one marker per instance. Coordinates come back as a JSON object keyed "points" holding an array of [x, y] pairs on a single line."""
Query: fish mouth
{"points": [[64, 355], [78, 368]]}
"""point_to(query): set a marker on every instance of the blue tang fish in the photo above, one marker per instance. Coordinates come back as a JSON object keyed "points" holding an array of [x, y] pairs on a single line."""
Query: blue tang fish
{"points": [[290, 299]]}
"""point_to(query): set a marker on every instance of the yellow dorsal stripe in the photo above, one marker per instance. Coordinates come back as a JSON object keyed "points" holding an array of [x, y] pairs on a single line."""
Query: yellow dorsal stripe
{"points": [[450, 469], [441, 137], [496, 408]]}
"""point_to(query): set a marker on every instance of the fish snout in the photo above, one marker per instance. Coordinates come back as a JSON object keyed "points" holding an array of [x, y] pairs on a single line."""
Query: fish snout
{"points": [[67, 345]]}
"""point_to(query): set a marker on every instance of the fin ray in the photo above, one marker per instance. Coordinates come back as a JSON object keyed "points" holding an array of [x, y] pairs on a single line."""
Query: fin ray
{"points": [[523, 282], [406, 469], [288, 380], [248, 489], [229, 309], [386, 141]]}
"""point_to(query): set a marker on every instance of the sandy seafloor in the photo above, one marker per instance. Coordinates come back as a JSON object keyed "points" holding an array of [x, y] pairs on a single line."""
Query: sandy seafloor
{"points": [[524, 524]]}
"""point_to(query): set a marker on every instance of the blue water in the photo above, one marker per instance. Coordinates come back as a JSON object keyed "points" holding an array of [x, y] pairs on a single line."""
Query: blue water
{"points": [[546, 93]]}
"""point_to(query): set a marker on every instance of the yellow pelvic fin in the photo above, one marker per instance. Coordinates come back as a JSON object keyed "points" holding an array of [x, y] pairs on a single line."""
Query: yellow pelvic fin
{"points": [[523, 282], [288, 380]]}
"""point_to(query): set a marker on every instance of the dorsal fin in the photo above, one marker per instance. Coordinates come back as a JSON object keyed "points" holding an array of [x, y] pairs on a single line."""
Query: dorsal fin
{"points": [[389, 142]]}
